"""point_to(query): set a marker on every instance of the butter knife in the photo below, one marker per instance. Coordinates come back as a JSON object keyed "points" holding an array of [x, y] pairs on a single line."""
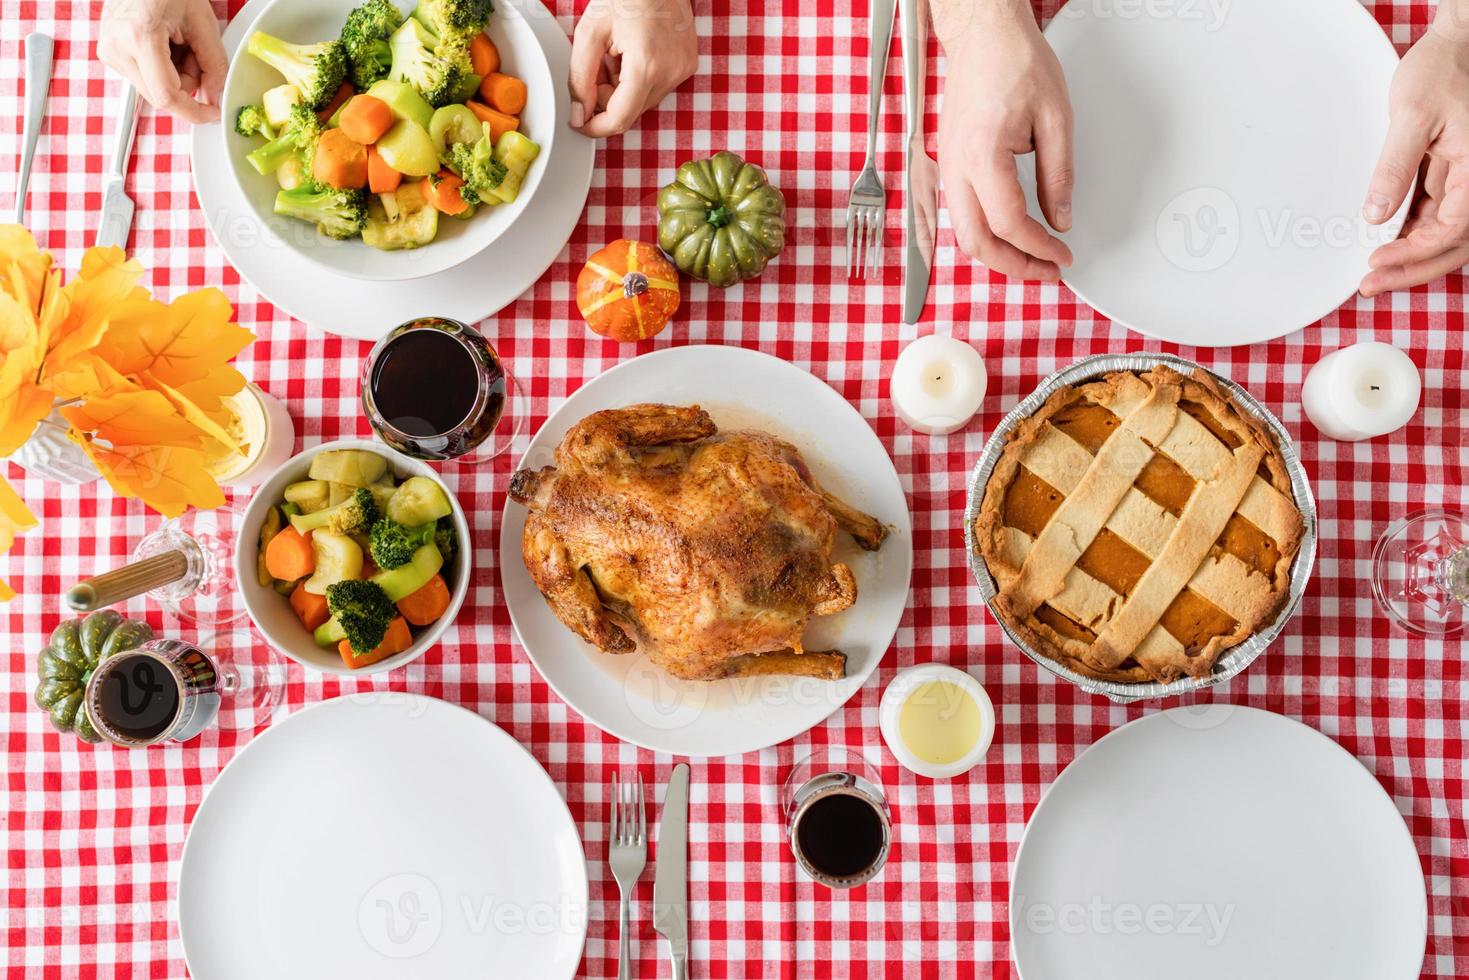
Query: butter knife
{"points": [[920, 173], [39, 52], [117, 207], [671, 882]]}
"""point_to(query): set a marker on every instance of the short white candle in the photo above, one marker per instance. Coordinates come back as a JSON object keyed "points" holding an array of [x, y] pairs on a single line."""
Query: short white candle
{"points": [[938, 384], [1361, 392]]}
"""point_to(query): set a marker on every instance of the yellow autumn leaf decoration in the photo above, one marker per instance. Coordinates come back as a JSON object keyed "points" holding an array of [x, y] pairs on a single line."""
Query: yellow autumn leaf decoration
{"points": [[195, 413], [169, 478], [183, 341], [133, 417], [106, 286], [15, 517], [138, 383]]}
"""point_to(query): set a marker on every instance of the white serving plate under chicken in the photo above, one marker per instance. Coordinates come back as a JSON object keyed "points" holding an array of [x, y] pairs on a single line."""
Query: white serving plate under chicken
{"points": [[708, 550]]}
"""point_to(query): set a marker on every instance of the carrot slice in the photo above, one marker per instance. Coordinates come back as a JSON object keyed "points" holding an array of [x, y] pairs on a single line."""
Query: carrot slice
{"points": [[500, 123], [397, 639], [426, 604], [344, 92], [503, 92], [310, 609], [381, 178], [366, 118], [289, 555], [340, 160], [484, 57], [443, 192]]}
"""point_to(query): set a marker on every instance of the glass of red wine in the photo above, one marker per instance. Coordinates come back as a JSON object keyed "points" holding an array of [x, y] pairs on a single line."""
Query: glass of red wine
{"points": [[172, 690], [434, 389], [837, 817]]}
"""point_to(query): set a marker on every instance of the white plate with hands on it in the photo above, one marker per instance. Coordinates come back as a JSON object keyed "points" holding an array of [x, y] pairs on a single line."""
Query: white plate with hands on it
{"points": [[630, 698], [365, 309], [1217, 842], [382, 835], [1223, 154], [309, 21]]}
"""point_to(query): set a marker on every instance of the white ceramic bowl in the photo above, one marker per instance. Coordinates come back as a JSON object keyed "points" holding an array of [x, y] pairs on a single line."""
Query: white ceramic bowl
{"points": [[271, 612], [903, 686], [305, 21]]}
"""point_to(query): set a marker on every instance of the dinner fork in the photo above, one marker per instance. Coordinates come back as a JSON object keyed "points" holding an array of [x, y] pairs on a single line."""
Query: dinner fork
{"points": [[627, 854], [866, 203]]}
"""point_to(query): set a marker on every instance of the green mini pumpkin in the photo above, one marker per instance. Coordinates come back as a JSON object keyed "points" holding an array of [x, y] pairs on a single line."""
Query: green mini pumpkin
{"points": [[76, 647], [721, 220]]}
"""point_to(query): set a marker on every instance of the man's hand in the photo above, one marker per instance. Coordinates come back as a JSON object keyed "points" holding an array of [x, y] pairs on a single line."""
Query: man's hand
{"points": [[1004, 95], [1429, 136], [626, 55], [169, 50]]}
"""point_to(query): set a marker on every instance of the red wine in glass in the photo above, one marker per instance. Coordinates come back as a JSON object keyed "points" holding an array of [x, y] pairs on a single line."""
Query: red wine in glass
{"points": [[172, 690], [435, 389]]}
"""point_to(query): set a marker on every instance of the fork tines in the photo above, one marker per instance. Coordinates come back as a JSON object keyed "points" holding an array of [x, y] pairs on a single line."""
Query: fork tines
{"points": [[865, 225], [627, 797]]}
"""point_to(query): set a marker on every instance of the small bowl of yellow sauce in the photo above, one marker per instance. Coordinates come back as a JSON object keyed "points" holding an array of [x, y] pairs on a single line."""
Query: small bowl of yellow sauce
{"points": [[937, 720]]}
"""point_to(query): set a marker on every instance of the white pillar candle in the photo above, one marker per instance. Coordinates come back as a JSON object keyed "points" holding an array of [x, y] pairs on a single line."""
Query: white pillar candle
{"points": [[938, 384], [1362, 391]]}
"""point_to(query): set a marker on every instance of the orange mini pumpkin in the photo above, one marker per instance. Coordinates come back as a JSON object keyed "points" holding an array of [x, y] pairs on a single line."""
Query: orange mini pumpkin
{"points": [[627, 291]]}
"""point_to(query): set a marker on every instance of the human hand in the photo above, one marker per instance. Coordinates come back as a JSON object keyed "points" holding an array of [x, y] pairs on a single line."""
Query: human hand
{"points": [[169, 50], [1004, 95], [626, 55], [1429, 135]]}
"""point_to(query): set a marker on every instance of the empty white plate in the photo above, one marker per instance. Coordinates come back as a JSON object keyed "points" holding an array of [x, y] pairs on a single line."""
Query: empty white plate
{"points": [[627, 696], [1217, 843], [383, 835], [1223, 152]]}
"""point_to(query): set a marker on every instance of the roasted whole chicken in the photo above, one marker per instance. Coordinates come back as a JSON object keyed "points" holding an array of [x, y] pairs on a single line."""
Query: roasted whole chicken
{"points": [[710, 550]]}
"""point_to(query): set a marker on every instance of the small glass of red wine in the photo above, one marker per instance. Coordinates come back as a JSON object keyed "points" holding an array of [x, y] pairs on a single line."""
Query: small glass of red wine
{"points": [[172, 690], [837, 817], [434, 388]]}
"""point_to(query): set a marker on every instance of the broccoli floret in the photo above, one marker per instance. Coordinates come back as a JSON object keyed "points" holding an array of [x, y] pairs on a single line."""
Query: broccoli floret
{"points": [[392, 545], [251, 121], [365, 36], [336, 214], [363, 610], [414, 61], [477, 166], [357, 513], [297, 137], [446, 539], [318, 70], [447, 17]]}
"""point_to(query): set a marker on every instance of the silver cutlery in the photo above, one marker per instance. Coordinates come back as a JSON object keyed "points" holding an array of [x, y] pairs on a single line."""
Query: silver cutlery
{"points": [[117, 207], [866, 203], [671, 879], [920, 174], [39, 49], [627, 855]]}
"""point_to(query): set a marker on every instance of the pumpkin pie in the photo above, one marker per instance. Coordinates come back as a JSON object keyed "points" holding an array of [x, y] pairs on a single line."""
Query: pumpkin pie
{"points": [[1139, 526]]}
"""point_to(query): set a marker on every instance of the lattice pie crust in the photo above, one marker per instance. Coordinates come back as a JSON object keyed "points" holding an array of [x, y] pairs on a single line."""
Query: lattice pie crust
{"points": [[1139, 526]]}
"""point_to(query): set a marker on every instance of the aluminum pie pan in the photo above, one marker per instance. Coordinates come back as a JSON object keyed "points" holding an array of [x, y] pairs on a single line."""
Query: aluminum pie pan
{"points": [[1237, 658]]}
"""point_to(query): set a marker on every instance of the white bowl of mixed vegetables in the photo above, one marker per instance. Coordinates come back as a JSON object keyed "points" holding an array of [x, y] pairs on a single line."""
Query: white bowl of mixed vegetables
{"points": [[384, 139], [353, 559]]}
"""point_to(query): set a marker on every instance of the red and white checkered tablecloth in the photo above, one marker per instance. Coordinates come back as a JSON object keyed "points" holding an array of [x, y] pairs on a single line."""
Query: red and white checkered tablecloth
{"points": [[93, 835]]}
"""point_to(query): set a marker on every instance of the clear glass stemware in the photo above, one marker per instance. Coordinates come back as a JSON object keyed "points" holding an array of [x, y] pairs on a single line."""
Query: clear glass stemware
{"points": [[1420, 573]]}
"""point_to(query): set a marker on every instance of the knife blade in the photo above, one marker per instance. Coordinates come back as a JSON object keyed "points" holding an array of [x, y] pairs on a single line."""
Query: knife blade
{"points": [[117, 207], [671, 881], [920, 183]]}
